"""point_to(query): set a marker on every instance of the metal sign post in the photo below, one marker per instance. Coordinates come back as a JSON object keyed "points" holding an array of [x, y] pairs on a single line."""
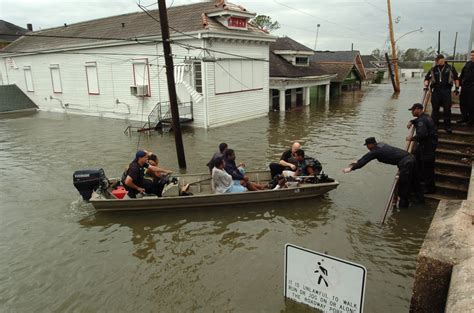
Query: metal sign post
{"points": [[323, 282]]}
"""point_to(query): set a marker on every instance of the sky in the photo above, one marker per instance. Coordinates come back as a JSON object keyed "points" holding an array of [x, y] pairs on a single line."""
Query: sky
{"points": [[343, 23]]}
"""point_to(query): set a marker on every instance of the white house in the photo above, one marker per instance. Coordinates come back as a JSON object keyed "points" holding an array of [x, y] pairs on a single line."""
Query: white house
{"points": [[114, 67], [292, 75]]}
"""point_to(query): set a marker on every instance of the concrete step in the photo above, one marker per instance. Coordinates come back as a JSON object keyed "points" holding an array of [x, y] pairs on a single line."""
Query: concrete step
{"points": [[455, 144], [440, 186], [456, 154], [453, 163], [439, 197], [450, 174]]}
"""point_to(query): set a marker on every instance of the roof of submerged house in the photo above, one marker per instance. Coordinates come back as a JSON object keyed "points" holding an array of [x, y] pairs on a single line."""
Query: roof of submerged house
{"points": [[183, 20]]}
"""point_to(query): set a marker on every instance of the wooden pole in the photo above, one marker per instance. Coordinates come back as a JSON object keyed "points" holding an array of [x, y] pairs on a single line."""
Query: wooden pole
{"points": [[165, 35], [394, 50], [455, 43], [439, 41], [471, 38], [390, 72]]}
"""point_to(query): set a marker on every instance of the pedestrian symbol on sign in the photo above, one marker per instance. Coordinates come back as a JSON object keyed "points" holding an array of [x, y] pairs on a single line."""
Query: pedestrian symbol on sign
{"points": [[322, 274]]}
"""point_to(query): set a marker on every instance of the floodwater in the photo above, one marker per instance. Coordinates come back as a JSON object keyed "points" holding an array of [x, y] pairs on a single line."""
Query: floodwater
{"points": [[58, 255]]}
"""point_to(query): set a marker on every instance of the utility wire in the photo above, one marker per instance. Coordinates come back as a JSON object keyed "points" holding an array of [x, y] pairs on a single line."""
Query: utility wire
{"points": [[89, 38]]}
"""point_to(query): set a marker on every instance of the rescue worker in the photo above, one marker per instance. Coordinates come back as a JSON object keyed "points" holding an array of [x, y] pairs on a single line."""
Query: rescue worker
{"points": [[426, 139], [440, 79], [467, 92], [389, 155], [134, 181], [287, 161]]}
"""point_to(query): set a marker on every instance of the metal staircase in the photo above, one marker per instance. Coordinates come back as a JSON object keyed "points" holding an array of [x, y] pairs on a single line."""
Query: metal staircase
{"points": [[160, 117]]}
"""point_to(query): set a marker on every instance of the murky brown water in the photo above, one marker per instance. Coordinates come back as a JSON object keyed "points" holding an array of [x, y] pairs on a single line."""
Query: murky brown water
{"points": [[57, 255]]}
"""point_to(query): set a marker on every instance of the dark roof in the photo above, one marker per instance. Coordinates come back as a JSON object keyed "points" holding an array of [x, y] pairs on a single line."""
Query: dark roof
{"points": [[279, 67], [341, 69], [335, 56], [10, 29], [184, 18], [369, 61], [286, 43]]}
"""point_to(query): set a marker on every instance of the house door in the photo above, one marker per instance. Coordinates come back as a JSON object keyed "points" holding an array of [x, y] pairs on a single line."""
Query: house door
{"points": [[299, 97]]}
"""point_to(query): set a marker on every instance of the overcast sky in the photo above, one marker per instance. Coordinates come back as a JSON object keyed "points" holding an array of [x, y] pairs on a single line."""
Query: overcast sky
{"points": [[343, 22]]}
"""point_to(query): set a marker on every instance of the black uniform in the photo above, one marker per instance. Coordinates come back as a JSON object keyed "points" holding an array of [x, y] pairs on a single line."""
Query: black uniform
{"points": [[467, 93], [425, 150], [137, 173], [442, 79], [277, 169], [395, 156]]}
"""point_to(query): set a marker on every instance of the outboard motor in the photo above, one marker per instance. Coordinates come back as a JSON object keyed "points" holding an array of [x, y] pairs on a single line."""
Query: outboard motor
{"points": [[87, 181]]}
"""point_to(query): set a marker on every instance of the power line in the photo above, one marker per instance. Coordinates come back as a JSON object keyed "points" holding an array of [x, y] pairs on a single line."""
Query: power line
{"points": [[89, 38]]}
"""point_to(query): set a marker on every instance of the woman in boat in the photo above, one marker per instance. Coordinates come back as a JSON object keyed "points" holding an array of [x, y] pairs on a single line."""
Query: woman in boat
{"points": [[237, 172], [222, 181]]}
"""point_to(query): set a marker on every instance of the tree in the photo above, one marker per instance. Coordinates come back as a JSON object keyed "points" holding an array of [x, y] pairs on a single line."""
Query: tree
{"points": [[376, 53], [265, 22]]}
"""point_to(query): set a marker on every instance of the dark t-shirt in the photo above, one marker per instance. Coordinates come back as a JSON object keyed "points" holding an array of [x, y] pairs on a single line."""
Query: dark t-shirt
{"points": [[137, 172], [288, 157]]}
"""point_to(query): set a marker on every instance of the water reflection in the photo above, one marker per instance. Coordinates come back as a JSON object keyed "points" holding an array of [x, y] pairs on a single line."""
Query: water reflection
{"points": [[172, 228]]}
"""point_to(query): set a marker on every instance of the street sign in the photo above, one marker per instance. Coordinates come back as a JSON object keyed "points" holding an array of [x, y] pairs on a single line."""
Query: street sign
{"points": [[324, 282]]}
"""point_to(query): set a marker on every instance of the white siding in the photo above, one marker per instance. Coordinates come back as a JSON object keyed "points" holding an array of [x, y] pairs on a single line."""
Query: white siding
{"points": [[115, 74], [224, 108]]}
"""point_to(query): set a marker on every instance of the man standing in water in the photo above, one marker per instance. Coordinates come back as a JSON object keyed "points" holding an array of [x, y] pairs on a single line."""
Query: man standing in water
{"points": [[426, 139], [389, 155]]}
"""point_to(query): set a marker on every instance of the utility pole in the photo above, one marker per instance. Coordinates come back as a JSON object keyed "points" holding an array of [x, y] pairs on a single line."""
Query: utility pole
{"points": [[455, 43], [316, 40], [471, 38], [165, 35], [396, 87], [439, 42]]}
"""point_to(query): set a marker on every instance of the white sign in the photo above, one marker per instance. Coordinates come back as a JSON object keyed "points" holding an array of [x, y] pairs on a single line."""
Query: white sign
{"points": [[324, 282]]}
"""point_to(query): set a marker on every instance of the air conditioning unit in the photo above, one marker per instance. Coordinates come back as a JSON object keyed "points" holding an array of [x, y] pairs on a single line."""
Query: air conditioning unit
{"points": [[142, 90]]}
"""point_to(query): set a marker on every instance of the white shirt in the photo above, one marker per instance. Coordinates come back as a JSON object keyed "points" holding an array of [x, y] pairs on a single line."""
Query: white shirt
{"points": [[221, 180]]}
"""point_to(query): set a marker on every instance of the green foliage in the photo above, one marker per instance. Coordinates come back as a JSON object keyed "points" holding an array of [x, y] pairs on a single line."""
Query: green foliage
{"points": [[265, 22]]}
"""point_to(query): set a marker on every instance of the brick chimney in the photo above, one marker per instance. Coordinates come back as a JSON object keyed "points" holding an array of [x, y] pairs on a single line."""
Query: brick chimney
{"points": [[29, 27]]}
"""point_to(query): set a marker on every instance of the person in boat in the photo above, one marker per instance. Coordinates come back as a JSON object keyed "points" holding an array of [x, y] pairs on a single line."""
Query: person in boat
{"points": [[306, 166], [426, 141], [389, 155], [159, 172], [135, 181], [238, 173], [222, 181], [287, 161], [222, 147]]}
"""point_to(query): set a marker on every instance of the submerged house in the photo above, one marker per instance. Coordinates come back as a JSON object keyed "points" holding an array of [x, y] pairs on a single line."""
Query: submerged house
{"points": [[114, 67], [375, 69], [347, 65], [292, 75]]}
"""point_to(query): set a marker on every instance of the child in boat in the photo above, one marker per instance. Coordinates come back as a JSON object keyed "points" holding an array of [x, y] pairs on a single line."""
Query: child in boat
{"points": [[222, 181]]}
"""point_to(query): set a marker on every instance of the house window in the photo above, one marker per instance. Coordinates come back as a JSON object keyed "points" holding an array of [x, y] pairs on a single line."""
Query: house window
{"points": [[238, 75], [301, 61], [28, 78], [92, 78], [56, 78], [198, 76], [141, 77]]}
